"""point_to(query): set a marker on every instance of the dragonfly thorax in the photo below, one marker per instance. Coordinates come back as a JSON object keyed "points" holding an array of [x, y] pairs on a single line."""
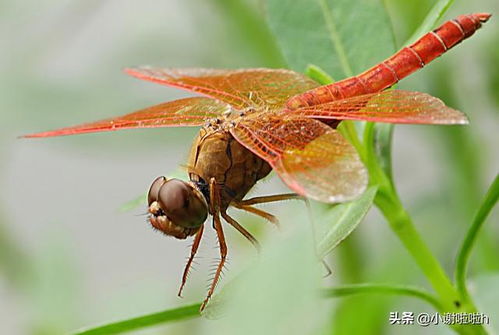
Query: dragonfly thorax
{"points": [[216, 154]]}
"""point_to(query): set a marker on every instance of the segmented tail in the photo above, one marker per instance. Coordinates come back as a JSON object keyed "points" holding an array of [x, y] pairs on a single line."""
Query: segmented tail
{"points": [[400, 65]]}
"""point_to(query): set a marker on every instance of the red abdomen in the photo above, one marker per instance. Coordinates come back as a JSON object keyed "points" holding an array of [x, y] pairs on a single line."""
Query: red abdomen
{"points": [[398, 66]]}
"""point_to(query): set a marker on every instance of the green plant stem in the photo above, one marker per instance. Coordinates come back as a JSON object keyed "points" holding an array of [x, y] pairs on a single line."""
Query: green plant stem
{"points": [[345, 290], [347, 129], [465, 251], [402, 226], [177, 314], [388, 201]]}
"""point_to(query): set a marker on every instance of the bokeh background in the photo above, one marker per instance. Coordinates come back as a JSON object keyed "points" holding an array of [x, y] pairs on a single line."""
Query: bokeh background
{"points": [[70, 257]]}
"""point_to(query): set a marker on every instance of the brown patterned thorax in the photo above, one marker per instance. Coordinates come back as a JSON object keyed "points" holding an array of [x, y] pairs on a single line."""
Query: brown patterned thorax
{"points": [[215, 153]]}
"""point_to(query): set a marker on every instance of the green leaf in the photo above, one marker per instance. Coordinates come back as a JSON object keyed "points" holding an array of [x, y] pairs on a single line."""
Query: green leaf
{"points": [[341, 37], [319, 75], [176, 314], [343, 219], [488, 204], [431, 19], [278, 291], [247, 23]]}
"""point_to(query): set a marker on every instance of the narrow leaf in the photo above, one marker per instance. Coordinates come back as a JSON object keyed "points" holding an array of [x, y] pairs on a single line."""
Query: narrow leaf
{"points": [[488, 204], [176, 314], [368, 288], [343, 219], [318, 74], [434, 15]]}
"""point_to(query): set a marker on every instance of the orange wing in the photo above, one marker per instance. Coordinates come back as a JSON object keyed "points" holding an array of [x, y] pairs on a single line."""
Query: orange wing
{"points": [[239, 88], [392, 106], [183, 112], [310, 157]]}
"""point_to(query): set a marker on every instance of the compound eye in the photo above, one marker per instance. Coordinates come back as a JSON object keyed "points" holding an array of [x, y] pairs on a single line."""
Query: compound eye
{"points": [[183, 205], [173, 195], [152, 195]]}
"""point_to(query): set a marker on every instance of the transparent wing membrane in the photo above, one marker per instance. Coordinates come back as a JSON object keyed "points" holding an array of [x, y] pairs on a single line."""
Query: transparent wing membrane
{"points": [[310, 157], [392, 106], [178, 113], [239, 88]]}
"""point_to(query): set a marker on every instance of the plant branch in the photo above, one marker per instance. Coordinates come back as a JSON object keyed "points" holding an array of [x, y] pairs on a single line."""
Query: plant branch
{"points": [[390, 205], [346, 290], [402, 226], [464, 254]]}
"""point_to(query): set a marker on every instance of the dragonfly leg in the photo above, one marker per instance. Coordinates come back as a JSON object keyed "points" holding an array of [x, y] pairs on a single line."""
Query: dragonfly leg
{"points": [[194, 249], [271, 198], [217, 224], [267, 216], [247, 205], [241, 229]]}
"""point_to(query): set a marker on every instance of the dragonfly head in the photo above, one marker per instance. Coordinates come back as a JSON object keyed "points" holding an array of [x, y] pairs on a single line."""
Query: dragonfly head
{"points": [[176, 208]]}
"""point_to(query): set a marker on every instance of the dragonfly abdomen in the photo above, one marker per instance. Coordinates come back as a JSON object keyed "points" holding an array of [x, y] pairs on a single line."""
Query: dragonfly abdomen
{"points": [[421, 52], [406, 61]]}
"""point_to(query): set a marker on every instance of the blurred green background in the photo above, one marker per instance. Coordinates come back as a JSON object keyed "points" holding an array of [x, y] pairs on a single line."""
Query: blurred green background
{"points": [[69, 258]]}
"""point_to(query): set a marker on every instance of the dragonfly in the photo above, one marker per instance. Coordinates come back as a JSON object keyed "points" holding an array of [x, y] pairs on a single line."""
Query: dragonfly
{"points": [[257, 120]]}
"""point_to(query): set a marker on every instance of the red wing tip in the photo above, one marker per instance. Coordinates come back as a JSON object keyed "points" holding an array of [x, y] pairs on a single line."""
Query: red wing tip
{"points": [[39, 135], [136, 71], [29, 135], [465, 121], [483, 17], [61, 132], [131, 71], [461, 119]]}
